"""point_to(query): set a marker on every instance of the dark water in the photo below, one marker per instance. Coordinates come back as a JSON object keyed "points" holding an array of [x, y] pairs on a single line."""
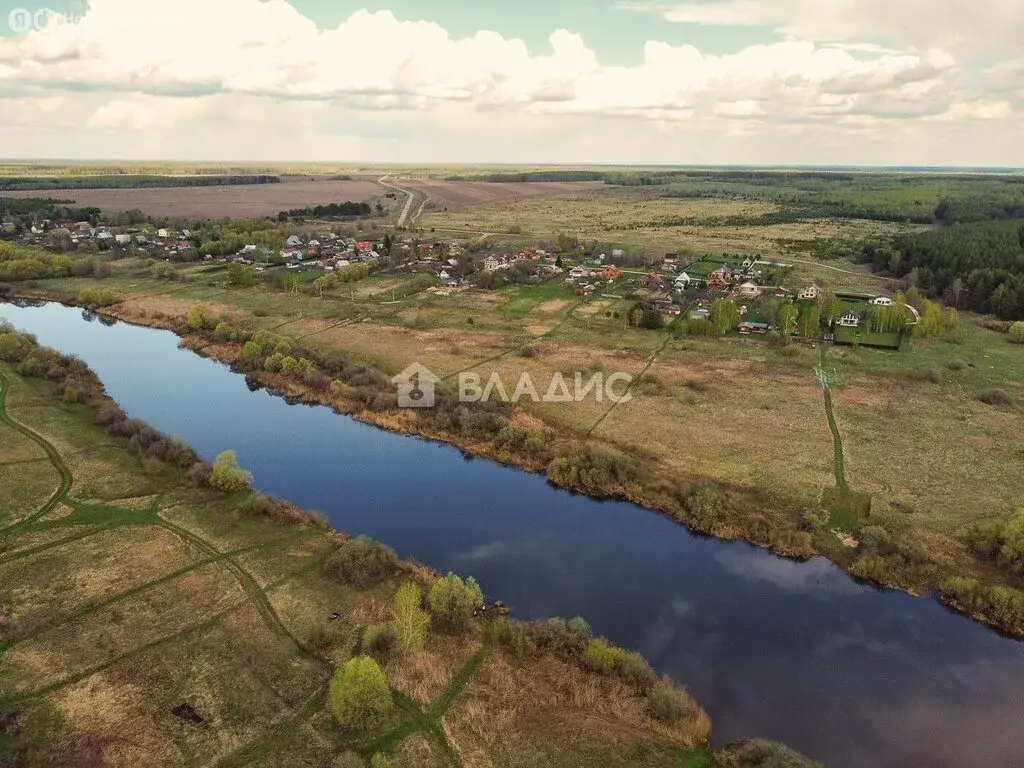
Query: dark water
{"points": [[797, 652]]}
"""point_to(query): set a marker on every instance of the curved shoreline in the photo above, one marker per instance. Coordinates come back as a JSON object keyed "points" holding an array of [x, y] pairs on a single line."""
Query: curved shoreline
{"points": [[229, 353]]}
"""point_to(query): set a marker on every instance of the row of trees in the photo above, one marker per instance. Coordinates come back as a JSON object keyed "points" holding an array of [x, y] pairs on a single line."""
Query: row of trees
{"points": [[331, 210], [972, 266]]}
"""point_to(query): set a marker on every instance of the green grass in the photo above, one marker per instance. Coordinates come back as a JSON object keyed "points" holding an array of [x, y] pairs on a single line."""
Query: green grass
{"points": [[525, 299]]}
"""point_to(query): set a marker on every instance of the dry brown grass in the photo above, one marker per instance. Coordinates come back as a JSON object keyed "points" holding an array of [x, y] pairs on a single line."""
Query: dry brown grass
{"points": [[424, 676], [87, 642], [241, 201], [456, 195], [62, 579], [24, 488], [417, 752], [554, 711], [14, 446]]}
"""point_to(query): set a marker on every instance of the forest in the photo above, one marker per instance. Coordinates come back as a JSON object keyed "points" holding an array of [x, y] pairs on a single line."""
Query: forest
{"points": [[22, 183], [31, 209], [977, 266], [327, 211]]}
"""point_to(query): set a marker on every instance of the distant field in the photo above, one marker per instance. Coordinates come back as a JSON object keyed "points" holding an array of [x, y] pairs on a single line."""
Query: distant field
{"points": [[459, 194], [243, 201]]}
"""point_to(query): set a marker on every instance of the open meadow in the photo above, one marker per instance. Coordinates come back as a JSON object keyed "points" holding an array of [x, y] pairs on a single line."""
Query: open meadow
{"points": [[149, 620]]}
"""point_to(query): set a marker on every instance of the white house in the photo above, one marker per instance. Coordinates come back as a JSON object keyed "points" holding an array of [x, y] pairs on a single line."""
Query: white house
{"points": [[104, 236], [163, 233], [123, 239], [849, 320], [683, 281], [491, 264], [811, 293], [749, 290], [882, 301], [293, 241], [618, 253], [444, 275]]}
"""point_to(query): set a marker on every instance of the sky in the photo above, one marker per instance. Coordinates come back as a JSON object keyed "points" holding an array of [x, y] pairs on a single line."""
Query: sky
{"points": [[667, 82]]}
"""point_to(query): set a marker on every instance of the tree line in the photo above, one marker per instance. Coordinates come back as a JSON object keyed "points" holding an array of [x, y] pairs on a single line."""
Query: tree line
{"points": [[327, 211], [22, 183], [977, 266]]}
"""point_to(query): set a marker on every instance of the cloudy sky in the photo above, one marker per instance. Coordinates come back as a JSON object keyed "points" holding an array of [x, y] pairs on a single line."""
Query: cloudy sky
{"points": [[821, 82]]}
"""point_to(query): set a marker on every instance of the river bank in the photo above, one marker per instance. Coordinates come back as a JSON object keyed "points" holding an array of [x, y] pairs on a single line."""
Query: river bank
{"points": [[757, 516], [290, 574], [762, 642]]}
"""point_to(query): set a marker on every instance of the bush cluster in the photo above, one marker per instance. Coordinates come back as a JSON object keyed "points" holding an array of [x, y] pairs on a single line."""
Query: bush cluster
{"points": [[594, 468], [453, 601], [1002, 541], [361, 562]]}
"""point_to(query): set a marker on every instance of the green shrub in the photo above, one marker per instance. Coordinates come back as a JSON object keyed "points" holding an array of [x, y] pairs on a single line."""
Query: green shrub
{"points": [[96, 297], [381, 760], [633, 669], [378, 641], [516, 639], [1017, 332], [986, 537], [226, 476], [224, 332], [252, 351], [452, 602], [600, 656], [409, 620], [201, 317], [361, 562], [761, 753], [359, 694], [579, 626], [875, 537], [595, 468], [704, 503], [668, 703]]}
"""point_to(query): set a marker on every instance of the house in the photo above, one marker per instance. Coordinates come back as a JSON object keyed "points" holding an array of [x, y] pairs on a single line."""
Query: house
{"points": [[364, 245], [294, 241], [163, 234], [141, 239], [781, 292], [849, 320], [444, 275], [720, 278], [748, 290], [882, 301], [618, 253], [749, 263], [123, 239], [653, 282], [701, 313], [611, 272], [491, 264], [810, 293], [683, 281], [748, 328]]}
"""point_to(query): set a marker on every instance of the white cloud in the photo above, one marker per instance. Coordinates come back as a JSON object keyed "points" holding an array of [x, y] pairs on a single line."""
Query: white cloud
{"points": [[985, 27], [374, 86]]}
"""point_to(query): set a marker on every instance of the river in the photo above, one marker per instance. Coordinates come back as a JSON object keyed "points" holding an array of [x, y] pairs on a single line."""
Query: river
{"points": [[799, 652]]}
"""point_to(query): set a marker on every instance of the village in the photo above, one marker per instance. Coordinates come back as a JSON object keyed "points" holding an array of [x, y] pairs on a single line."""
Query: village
{"points": [[754, 296]]}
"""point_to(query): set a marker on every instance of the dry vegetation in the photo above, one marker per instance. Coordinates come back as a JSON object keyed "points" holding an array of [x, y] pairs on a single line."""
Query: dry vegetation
{"points": [[236, 202], [115, 612]]}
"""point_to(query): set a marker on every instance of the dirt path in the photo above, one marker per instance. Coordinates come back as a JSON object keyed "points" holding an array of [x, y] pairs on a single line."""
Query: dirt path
{"points": [[408, 203], [51, 453]]}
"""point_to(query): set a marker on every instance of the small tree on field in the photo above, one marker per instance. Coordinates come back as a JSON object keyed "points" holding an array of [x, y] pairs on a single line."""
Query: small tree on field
{"points": [[359, 694], [226, 476], [452, 601], [409, 619], [1017, 332]]}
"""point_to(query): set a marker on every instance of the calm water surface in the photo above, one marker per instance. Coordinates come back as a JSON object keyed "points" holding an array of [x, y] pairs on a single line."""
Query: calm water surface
{"points": [[791, 651]]}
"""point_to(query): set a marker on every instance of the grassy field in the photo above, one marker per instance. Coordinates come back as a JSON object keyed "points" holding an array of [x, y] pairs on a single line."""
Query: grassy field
{"points": [[125, 594]]}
